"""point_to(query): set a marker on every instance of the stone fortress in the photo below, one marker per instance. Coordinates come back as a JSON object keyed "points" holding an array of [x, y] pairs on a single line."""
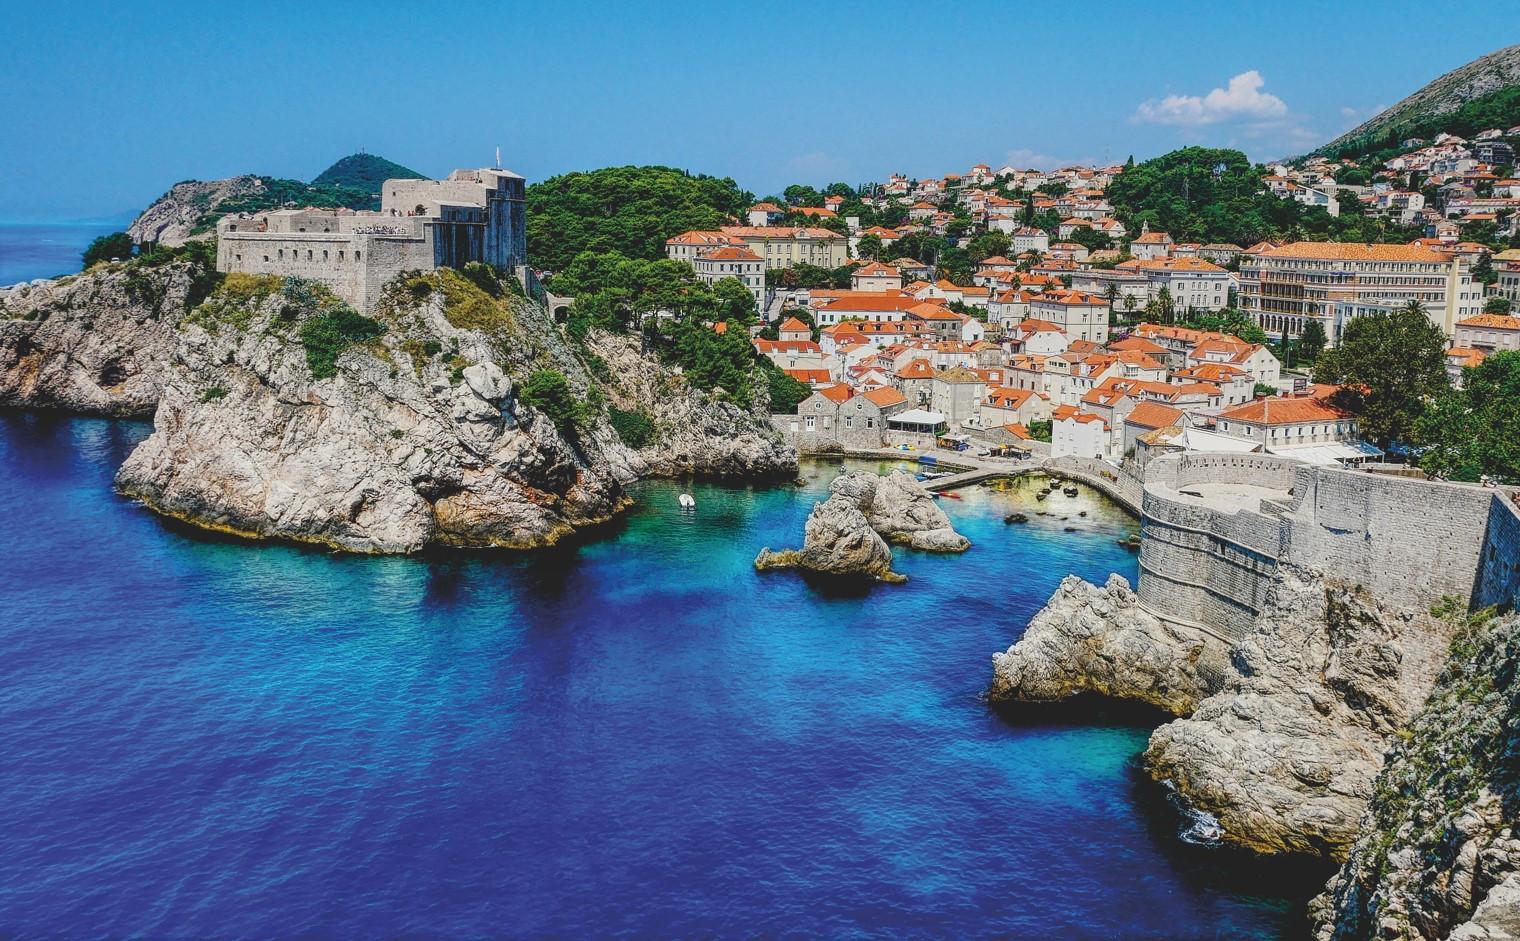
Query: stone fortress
{"points": [[1216, 527], [474, 215]]}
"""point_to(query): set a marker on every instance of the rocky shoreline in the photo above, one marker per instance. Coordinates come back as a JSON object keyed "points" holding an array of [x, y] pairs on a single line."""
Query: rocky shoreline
{"points": [[281, 414], [1323, 732]]}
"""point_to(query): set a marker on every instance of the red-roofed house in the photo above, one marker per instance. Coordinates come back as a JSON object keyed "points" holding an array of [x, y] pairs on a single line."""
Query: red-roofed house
{"points": [[876, 277], [1302, 427], [1078, 433]]}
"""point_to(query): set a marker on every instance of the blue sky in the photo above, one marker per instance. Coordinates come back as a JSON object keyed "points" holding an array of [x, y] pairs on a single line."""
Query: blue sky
{"points": [[108, 104]]}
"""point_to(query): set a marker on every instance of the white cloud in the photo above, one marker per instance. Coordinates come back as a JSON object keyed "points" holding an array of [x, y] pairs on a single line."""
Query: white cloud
{"points": [[1024, 158], [1242, 99]]}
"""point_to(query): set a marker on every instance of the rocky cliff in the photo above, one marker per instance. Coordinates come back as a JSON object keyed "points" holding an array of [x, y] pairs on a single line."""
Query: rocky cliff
{"points": [[97, 343], [189, 209], [457, 415], [1281, 741], [1437, 854], [694, 433], [1284, 755], [1091, 639]]}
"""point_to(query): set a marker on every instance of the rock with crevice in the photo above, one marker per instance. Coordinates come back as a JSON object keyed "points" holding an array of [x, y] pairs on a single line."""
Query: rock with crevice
{"points": [[96, 343], [1285, 755], [837, 540], [1098, 639], [901, 510], [1437, 853]]}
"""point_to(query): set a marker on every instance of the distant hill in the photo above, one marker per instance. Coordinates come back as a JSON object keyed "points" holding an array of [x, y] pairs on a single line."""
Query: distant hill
{"points": [[190, 209], [1482, 94], [365, 172]]}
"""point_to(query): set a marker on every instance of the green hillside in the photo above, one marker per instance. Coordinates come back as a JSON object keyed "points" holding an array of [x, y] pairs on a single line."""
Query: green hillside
{"points": [[366, 172], [1482, 94]]}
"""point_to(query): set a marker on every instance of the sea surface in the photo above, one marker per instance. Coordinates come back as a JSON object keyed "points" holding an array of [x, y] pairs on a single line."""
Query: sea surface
{"points": [[636, 736], [45, 251]]}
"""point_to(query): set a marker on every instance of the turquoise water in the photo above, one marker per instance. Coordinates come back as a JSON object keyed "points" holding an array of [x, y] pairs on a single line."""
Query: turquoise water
{"points": [[637, 736], [45, 251]]}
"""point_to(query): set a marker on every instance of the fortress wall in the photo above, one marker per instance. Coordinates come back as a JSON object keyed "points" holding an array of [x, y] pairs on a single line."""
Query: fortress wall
{"points": [[261, 254], [1201, 566], [1499, 568], [1407, 541]]}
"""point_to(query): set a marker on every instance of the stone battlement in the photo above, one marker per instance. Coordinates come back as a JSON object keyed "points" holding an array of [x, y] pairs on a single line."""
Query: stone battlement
{"points": [[1216, 527], [474, 215]]}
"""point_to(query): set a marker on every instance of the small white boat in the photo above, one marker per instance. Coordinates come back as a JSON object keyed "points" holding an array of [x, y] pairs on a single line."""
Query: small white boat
{"points": [[687, 502]]}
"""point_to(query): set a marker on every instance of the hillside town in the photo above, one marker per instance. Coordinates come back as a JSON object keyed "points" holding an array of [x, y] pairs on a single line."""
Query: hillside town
{"points": [[1070, 335]]}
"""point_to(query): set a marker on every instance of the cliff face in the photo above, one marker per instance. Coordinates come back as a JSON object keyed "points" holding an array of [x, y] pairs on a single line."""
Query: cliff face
{"points": [[97, 343], [1281, 741], [188, 210], [1437, 854], [1284, 756], [458, 415], [694, 432]]}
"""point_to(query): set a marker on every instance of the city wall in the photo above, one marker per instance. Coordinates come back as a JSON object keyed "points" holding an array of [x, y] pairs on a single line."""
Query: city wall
{"points": [[1409, 542]]}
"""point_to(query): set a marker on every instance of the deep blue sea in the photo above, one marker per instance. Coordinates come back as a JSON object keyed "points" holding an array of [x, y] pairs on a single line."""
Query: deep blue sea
{"points": [[30, 251], [638, 736]]}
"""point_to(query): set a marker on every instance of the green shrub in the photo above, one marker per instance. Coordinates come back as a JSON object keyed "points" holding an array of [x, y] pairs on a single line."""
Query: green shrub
{"points": [[328, 334], [107, 247], [213, 393], [549, 392], [635, 428]]}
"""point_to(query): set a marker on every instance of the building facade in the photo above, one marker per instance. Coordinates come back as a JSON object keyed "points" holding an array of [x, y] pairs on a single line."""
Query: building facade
{"points": [[473, 216]]}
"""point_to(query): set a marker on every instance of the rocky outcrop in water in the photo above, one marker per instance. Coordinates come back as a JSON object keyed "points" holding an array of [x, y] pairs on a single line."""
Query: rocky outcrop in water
{"points": [[837, 540], [900, 510], [1099, 640], [1438, 852], [844, 534], [1284, 756], [1281, 742], [97, 343], [695, 433], [457, 415]]}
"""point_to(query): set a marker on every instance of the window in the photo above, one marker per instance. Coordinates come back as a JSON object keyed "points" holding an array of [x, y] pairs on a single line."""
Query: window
{"points": [[811, 422]]}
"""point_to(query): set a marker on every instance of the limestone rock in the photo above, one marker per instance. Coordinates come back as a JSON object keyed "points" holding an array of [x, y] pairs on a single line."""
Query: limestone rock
{"points": [[1284, 756], [96, 343], [189, 209], [838, 540], [901, 510], [1437, 853], [696, 432], [1098, 639], [420, 438]]}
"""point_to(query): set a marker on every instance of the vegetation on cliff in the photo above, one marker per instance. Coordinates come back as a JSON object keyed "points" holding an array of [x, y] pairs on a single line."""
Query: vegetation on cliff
{"points": [[632, 210], [1435, 838]]}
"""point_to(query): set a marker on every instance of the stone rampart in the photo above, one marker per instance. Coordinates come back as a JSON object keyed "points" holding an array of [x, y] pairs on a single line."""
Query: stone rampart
{"points": [[1215, 528]]}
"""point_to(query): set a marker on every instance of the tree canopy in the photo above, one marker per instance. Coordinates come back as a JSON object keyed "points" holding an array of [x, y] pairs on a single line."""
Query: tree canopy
{"points": [[1389, 365], [630, 210], [1208, 194], [116, 245], [1475, 430]]}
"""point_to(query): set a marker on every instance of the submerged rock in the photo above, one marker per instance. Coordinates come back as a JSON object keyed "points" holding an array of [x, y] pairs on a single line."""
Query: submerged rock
{"points": [[901, 510], [837, 540], [1099, 640]]}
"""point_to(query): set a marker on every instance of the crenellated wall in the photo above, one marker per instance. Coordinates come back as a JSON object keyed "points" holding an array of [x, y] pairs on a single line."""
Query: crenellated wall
{"points": [[1215, 528]]}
